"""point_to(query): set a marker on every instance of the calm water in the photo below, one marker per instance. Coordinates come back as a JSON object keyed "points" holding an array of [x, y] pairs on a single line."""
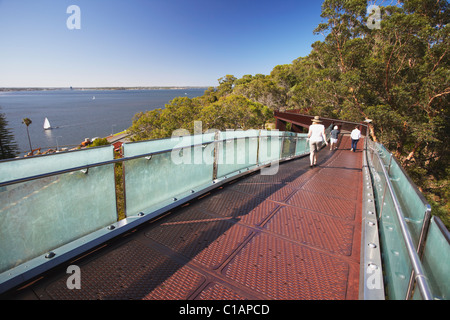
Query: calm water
{"points": [[79, 114]]}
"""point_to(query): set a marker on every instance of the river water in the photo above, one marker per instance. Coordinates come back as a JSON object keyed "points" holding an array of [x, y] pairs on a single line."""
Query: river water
{"points": [[79, 114]]}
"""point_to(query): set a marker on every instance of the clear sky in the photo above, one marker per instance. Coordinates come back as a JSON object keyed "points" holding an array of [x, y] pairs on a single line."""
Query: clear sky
{"points": [[150, 42]]}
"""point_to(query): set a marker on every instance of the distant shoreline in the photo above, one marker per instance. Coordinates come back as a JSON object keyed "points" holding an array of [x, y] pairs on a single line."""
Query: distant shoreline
{"points": [[102, 88]]}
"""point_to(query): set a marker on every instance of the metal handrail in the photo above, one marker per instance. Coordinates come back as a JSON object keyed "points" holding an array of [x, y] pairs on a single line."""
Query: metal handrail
{"points": [[98, 164], [413, 256], [427, 214], [118, 160]]}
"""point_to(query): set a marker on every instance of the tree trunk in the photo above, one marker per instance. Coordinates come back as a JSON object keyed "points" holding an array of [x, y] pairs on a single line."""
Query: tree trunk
{"points": [[29, 140]]}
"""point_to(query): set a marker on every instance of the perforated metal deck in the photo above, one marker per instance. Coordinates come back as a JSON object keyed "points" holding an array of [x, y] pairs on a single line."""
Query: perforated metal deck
{"points": [[293, 235]]}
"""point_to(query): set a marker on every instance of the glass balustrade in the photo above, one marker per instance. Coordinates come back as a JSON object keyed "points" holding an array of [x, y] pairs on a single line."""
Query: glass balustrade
{"points": [[170, 168], [39, 215], [403, 216], [436, 260], [237, 151]]}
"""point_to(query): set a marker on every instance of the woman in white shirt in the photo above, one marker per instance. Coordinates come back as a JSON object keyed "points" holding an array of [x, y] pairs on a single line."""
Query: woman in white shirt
{"points": [[316, 135]]}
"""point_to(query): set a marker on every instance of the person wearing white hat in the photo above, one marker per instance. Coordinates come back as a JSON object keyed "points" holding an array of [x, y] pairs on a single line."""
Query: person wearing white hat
{"points": [[316, 135], [334, 134]]}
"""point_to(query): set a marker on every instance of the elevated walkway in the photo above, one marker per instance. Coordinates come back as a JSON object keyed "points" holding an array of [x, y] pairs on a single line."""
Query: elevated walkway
{"points": [[293, 235], [220, 216]]}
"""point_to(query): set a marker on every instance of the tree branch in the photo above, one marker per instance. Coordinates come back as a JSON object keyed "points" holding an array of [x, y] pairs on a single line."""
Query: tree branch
{"points": [[446, 91], [437, 63]]}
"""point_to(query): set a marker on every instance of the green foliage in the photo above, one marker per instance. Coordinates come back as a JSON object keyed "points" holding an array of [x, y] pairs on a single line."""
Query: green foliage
{"points": [[180, 113], [120, 198], [397, 75], [8, 146], [26, 121], [234, 112], [226, 112], [99, 142]]}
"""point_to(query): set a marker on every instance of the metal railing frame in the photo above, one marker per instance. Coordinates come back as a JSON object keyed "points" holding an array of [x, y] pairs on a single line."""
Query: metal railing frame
{"points": [[418, 273], [414, 254]]}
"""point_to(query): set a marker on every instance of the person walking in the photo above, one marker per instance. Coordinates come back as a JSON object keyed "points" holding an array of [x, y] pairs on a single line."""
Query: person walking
{"points": [[355, 135], [316, 135], [334, 137]]}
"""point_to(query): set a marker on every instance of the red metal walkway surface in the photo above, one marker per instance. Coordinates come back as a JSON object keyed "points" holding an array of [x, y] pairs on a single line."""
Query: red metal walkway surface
{"points": [[293, 235]]}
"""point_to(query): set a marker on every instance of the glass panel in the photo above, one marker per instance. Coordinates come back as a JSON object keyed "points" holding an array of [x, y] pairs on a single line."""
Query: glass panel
{"points": [[396, 263], [288, 149], [269, 146], [436, 262], [384, 154], [302, 146], [41, 215], [152, 146], [236, 150], [413, 206], [378, 179], [156, 181]]}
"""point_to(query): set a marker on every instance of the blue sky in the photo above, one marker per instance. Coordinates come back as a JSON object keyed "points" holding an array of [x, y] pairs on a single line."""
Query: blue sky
{"points": [[150, 42]]}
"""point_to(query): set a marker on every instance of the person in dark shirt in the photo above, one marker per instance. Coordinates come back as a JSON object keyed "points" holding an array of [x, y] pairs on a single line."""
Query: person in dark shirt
{"points": [[334, 138]]}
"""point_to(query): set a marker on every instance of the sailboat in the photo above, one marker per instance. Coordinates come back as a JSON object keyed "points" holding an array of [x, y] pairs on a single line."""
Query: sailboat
{"points": [[47, 125]]}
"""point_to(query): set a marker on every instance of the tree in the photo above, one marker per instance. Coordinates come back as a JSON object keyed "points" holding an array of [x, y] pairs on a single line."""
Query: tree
{"points": [[262, 89], [226, 85], [99, 142], [397, 75], [234, 112], [27, 122], [8, 147], [228, 112], [180, 113]]}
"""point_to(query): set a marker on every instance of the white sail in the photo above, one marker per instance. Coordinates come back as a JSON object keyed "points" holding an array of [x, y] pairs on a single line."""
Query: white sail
{"points": [[47, 124]]}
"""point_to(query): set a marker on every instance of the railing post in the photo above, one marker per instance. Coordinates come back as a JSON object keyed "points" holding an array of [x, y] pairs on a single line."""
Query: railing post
{"points": [[390, 163], [280, 156], [257, 146], [386, 181], [216, 155], [420, 247], [384, 188]]}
